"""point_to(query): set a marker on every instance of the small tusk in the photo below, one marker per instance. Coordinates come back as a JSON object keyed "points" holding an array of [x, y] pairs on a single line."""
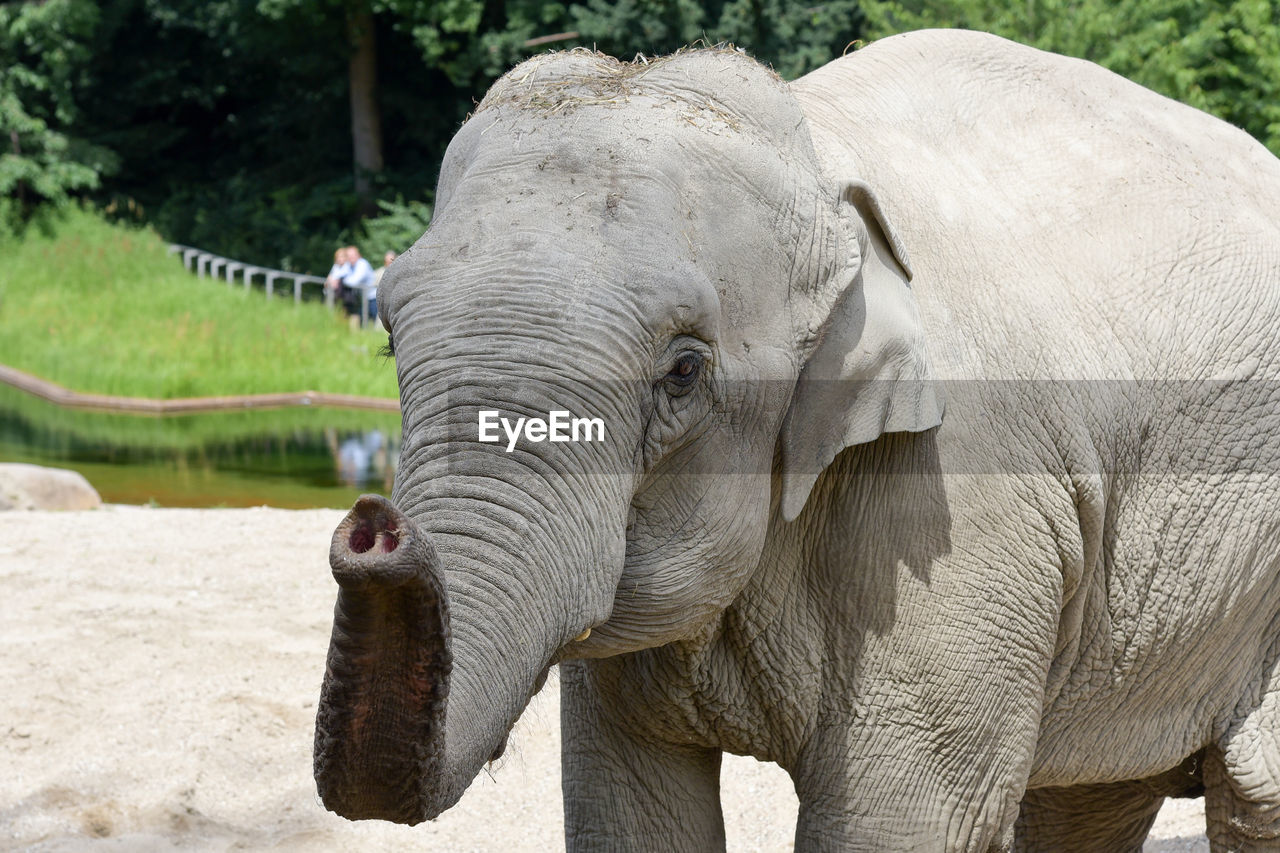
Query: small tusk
{"points": [[582, 636]]}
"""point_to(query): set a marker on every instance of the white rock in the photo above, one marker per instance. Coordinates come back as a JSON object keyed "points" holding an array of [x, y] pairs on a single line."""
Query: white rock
{"points": [[34, 487]]}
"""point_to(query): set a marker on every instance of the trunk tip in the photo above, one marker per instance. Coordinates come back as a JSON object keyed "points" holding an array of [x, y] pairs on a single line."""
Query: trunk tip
{"points": [[377, 540]]}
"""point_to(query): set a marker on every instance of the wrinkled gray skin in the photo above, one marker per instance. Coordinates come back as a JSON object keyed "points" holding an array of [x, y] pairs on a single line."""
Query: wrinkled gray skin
{"points": [[1023, 627]]}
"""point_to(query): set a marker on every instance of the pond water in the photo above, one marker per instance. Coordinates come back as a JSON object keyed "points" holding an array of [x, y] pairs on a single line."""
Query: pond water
{"points": [[293, 458]]}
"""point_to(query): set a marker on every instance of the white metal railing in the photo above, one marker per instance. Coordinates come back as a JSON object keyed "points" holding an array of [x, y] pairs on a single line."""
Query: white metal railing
{"points": [[199, 261]]}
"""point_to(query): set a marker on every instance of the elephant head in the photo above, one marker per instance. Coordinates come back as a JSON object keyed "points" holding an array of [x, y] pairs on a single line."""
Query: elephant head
{"points": [[652, 244]]}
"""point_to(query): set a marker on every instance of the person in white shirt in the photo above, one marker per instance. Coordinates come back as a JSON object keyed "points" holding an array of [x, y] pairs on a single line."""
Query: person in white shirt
{"points": [[360, 273], [359, 276], [339, 270]]}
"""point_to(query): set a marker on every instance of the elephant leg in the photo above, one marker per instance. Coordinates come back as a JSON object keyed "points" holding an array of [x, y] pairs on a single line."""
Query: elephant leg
{"points": [[1111, 817], [625, 793], [1242, 777], [899, 799], [1239, 819]]}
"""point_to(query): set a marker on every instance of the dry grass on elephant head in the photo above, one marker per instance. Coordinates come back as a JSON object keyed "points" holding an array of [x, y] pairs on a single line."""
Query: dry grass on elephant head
{"points": [[560, 82]]}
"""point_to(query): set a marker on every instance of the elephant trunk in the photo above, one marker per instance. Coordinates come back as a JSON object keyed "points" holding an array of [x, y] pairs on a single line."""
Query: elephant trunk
{"points": [[453, 602], [379, 742]]}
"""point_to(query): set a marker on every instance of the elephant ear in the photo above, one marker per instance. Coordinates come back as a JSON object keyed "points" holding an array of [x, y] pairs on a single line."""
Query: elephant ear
{"points": [[868, 373]]}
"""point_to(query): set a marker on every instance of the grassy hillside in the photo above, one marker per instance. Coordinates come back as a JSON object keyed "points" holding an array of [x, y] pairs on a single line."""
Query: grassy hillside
{"points": [[104, 308]]}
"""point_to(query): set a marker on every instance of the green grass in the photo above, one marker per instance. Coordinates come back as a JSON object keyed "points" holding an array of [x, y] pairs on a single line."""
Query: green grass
{"points": [[104, 308]]}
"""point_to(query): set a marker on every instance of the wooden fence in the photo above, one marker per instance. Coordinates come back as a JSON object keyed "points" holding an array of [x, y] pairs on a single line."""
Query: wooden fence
{"points": [[69, 399]]}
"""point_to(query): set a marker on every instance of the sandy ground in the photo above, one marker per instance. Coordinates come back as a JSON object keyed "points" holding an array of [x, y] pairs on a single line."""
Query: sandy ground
{"points": [[159, 670]]}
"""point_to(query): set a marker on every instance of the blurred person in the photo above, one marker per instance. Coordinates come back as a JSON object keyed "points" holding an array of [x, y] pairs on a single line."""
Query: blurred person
{"points": [[361, 456], [359, 277], [339, 270]]}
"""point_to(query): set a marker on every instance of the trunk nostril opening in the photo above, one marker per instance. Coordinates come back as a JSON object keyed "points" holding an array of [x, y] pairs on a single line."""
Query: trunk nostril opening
{"points": [[362, 538], [389, 542]]}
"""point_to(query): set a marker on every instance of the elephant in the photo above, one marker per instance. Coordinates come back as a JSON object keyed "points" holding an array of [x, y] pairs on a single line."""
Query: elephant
{"points": [[939, 460]]}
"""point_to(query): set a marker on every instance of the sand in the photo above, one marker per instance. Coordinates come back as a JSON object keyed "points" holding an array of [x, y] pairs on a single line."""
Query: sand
{"points": [[159, 670]]}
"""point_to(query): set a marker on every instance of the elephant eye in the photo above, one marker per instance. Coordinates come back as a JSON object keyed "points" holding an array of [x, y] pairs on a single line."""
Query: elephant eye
{"points": [[388, 350], [685, 370]]}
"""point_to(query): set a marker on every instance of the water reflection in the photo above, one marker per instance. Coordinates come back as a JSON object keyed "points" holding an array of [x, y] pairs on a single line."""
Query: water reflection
{"points": [[294, 458], [363, 457]]}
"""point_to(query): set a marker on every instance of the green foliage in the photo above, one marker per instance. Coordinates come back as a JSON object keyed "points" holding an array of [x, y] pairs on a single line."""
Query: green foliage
{"points": [[105, 308], [223, 145], [42, 48], [398, 228], [793, 38], [250, 217], [232, 122], [651, 27], [1221, 56], [226, 123], [475, 41], [450, 37]]}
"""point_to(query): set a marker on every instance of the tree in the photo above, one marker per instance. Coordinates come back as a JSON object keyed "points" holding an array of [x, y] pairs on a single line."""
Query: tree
{"points": [[360, 45], [793, 38], [366, 119], [43, 47], [233, 127], [267, 129]]}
